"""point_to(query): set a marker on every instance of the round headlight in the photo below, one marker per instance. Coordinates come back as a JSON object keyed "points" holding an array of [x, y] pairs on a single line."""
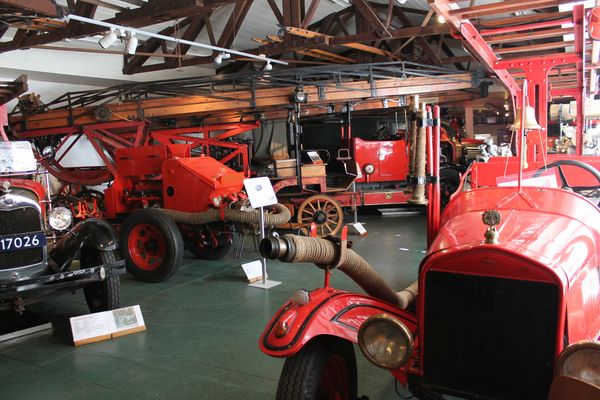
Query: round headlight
{"points": [[369, 169], [60, 218], [385, 341], [581, 361]]}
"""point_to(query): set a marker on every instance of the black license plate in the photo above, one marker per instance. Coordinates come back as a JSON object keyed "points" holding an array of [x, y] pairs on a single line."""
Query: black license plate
{"points": [[22, 241]]}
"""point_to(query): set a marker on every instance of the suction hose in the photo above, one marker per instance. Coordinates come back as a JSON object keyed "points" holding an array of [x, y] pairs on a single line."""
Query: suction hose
{"points": [[279, 217], [323, 252]]}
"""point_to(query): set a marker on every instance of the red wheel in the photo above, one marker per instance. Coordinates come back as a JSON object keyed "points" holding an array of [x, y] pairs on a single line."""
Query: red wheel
{"points": [[146, 246], [324, 369], [151, 245]]}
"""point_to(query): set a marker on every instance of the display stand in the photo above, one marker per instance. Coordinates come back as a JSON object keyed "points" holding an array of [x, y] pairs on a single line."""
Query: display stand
{"points": [[358, 227], [261, 194]]}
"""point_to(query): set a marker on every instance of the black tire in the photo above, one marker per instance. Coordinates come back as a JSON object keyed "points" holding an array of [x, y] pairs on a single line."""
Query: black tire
{"points": [[304, 375], [152, 258], [211, 253], [103, 295], [449, 182]]}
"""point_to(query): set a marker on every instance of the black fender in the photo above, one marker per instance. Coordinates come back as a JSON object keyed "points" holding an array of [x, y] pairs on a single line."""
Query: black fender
{"points": [[91, 232]]}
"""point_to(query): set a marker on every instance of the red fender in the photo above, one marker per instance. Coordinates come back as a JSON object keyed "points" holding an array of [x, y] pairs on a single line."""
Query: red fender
{"points": [[328, 312]]}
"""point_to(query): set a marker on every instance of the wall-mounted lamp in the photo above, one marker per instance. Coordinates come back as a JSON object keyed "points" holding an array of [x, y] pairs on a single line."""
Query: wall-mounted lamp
{"points": [[107, 40], [131, 44]]}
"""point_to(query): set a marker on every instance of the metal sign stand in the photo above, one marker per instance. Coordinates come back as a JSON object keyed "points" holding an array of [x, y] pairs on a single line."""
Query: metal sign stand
{"points": [[261, 194]]}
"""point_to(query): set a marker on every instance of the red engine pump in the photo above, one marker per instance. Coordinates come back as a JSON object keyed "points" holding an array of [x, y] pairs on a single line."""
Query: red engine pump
{"points": [[166, 199]]}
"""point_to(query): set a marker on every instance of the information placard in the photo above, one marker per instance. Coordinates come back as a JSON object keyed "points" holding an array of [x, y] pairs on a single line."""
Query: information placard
{"points": [[106, 325], [260, 192]]}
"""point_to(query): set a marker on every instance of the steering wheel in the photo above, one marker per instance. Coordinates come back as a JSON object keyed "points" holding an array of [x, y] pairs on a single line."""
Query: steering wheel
{"points": [[578, 164], [382, 133]]}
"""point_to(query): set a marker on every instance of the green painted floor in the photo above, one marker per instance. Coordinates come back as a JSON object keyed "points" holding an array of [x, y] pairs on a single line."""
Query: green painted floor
{"points": [[203, 326]]}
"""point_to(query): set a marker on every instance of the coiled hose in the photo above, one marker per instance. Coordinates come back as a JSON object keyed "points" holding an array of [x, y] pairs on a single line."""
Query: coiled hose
{"points": [[322, 252], [280, 216]]}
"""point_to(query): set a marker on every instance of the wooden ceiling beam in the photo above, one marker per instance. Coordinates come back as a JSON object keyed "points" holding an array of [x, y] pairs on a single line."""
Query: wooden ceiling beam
{"points": [[133, 63], [420, 40], [363, 7], [154, 12], [353, 41], [276, 11], [240, 10], [191, 33], [310, 13], [40, 7]]}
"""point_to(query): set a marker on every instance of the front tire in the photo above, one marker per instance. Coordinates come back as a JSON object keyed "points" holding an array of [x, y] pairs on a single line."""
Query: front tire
{"points": [[103, 295], [151, 245], [324, 369]]}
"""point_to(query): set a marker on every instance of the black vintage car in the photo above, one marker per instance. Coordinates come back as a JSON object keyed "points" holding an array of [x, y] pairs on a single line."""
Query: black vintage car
{"points": [[41, 252]]}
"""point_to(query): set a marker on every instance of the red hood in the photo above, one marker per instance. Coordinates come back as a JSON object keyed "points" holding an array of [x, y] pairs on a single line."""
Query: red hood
{"points": [[552, 227]]}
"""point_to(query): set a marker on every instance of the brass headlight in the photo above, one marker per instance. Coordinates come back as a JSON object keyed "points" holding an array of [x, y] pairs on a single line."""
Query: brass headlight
{"points": [[385, 341], [581, 361]]}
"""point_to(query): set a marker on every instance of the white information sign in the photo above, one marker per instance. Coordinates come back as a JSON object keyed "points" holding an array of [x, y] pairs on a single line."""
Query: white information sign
{"points": [[253, 270], [16, 157], [106, 325], [260, 192]]}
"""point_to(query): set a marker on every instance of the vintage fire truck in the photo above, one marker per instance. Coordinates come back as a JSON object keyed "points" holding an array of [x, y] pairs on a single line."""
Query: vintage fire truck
{"points": [[41, 251], [505, 305]]}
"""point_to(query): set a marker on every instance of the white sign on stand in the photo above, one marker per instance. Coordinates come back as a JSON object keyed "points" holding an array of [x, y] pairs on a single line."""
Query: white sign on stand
{"points": [[261, 194]]}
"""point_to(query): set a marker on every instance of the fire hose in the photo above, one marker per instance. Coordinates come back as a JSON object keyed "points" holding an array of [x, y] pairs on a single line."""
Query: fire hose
{"points": [[323, 252], [280, 216]]}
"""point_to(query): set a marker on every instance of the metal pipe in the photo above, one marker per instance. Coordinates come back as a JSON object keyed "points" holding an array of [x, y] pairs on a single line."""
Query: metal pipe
{"points": [[172, 39]]}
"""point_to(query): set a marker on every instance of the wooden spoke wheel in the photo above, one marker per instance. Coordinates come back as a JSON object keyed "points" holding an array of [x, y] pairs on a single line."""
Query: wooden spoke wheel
{"points": [[323, 211]]}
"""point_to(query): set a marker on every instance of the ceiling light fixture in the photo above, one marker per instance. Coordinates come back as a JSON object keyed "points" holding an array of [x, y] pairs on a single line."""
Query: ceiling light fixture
{"points": [[140, 32], [107, 40], [441, 19], [401, 1], [222, 56], [131, 44], [268, 66]]}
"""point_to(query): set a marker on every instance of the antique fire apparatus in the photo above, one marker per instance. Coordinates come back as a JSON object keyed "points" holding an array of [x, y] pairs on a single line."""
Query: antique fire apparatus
{"points": [[495, 313], [175, 172], [41, 251]]}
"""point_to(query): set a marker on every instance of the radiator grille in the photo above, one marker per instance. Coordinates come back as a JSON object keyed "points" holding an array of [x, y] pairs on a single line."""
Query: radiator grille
{"points": [[20, 220], [489, 336]]}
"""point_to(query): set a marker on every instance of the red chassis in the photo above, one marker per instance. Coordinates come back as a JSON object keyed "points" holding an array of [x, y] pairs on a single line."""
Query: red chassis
{"points": [[499, 306]]}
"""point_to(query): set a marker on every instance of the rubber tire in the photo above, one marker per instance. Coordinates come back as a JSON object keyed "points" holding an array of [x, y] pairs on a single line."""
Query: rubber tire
{"points": [[214, 253], [173, 242], [450, 177], [102, 295], [300, 376]]}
